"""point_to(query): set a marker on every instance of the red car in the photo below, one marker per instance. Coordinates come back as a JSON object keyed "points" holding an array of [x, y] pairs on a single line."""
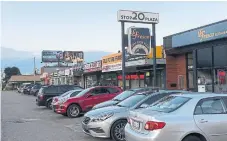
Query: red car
{"points": [[86, 99]]}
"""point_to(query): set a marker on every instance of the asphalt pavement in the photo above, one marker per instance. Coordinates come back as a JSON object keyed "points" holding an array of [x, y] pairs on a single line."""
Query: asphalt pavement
{"points": [[23, 120]]}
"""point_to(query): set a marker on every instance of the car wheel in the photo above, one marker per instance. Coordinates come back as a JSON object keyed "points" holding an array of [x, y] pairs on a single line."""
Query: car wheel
{"points": [[49, 104], [117, 130], [191, 138], [73, 111]]}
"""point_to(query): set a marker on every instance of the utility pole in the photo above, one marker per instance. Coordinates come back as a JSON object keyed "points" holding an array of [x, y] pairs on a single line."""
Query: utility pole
{"points": [[34, 69]]}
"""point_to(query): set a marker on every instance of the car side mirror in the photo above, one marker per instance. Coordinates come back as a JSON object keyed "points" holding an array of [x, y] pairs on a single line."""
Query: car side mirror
{"points": [[144, 106], [89, 95]]}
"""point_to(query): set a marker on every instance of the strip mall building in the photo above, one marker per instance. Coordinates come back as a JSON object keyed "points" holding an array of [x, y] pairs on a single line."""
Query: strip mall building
{"points": [[197, 59]]}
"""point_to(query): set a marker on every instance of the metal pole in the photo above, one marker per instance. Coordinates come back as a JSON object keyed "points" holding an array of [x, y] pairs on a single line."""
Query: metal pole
{"points": [[154, 55], [34, 69], [123, 54]]}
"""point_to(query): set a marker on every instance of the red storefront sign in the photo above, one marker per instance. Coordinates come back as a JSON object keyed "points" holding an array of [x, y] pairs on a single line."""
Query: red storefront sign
{"points": [[131, 77], [93, 66]]}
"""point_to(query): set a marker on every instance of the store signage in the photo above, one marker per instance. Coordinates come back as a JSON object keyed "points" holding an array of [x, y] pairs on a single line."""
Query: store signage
{"points": [[203, 35], [73, 56], [93, 66], [137, 16], [131, 77], [135, 63], [206, 33], [112, 62], [139, 41], [78, 66], [52, 56]]}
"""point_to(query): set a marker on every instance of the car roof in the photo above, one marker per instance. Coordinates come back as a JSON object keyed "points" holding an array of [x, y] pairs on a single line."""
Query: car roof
{"points": [[201, 95], [106, 87]]}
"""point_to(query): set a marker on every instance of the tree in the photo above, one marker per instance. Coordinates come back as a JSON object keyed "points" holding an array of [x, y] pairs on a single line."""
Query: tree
{"points": [[9, 71]]}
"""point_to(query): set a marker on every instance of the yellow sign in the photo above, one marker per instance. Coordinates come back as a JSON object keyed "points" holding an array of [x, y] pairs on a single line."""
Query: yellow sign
{"points": [[111, 59], [159, 52]]}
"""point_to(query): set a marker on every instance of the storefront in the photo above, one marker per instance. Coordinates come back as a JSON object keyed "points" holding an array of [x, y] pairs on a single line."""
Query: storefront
{"points": [[139, 70], [111, 67], [69, 76], [78, 74], [92, 74], [197, 59]]}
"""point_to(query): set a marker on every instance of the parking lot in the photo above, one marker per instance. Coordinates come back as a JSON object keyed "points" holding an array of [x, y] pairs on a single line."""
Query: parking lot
{"points": [[22, 120]]}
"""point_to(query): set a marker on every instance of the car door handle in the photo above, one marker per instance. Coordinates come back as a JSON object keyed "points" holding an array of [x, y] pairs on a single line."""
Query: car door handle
{"points": [[203, 121]]}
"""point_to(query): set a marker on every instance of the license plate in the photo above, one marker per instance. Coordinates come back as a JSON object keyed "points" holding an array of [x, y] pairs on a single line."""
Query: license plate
{"points": [[136, 125]]}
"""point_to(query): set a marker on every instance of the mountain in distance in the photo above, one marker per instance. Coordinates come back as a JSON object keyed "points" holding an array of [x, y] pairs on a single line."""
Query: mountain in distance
{"points": [[24, 60]]}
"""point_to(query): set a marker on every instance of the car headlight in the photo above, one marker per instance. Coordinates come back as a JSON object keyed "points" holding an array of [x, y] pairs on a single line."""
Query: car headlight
{"points": [[102, 117], [61, 101]]}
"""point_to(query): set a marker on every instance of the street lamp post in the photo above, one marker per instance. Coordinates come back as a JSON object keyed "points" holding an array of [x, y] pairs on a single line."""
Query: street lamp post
{"points": [[57, 76]]}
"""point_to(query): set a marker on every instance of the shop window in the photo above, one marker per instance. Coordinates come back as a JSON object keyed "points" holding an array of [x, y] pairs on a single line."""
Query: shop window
{"points": [[204, 58], [220, 59], [220, 80], [190, 60], [190, 80], [205, 78]]}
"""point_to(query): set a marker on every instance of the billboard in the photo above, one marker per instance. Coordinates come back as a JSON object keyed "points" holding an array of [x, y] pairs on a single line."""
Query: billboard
{"points": [[93, 66], [112, 62], [139, 41], [73, 56], [52, 56]]}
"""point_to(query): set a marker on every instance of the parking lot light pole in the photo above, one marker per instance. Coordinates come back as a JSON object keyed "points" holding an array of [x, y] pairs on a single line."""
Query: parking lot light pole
{"points": [[123, 54], [154, 54]]}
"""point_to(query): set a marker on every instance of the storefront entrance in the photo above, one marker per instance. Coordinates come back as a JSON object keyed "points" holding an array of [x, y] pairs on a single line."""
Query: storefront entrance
{"points": [[209, 67]]}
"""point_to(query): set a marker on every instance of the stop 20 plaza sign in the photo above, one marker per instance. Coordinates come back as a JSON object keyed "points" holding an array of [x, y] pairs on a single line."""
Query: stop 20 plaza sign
{"points": [[138, 17]]}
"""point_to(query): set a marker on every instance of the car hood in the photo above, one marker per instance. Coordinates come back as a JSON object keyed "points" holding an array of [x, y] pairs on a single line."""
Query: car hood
{"points": [[115, 109], [106, 104]]}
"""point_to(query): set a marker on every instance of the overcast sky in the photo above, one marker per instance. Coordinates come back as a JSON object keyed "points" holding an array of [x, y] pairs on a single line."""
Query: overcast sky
{"points": [[37, 26]]}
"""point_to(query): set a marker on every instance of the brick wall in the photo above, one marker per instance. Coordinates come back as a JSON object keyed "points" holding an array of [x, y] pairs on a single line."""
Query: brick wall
{"points": [[175, 66]]}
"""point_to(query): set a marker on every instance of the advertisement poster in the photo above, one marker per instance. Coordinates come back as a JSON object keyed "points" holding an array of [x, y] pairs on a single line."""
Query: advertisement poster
{"points": [[139, 41], [52, 56], [73, 56]]}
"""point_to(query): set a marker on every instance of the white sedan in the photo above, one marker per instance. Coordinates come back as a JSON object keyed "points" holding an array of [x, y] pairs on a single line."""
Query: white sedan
{"points": [[188, 117]]}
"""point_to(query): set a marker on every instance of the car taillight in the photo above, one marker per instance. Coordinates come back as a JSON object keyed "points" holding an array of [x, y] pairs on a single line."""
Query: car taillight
{"points": [[41, 97], [154, 125]]}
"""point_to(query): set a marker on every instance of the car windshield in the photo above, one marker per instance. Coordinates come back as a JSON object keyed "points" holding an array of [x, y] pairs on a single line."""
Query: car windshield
{"points": [[123, 95], [83, 92], [169, 103], [41, 90], [131, 101]]}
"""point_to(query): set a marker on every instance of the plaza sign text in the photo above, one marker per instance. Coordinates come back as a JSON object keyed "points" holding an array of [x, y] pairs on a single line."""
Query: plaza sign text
{"points": [[138, 17]]}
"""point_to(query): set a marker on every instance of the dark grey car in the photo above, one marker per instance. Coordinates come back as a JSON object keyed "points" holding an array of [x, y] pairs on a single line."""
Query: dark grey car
{"points": [[123, 96]]}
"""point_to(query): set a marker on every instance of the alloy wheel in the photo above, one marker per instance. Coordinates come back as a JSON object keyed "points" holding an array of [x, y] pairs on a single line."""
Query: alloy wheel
{"points": [[74, 111], [119, 131]]}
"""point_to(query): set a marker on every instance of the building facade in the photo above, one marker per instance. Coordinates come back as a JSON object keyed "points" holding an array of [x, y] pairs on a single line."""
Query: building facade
{"points": [[92, 73], [197, 59]]}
